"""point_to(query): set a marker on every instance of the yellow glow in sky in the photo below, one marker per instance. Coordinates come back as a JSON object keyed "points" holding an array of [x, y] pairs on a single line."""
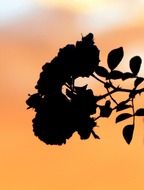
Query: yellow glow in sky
{"points": [[77, 5], [90, 5]]}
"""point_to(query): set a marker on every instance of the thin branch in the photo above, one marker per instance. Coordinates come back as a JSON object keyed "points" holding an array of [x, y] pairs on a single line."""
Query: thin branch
{"points": [[97, 118], [105, 95], [111, 96], [133, 110], [98, 79]]}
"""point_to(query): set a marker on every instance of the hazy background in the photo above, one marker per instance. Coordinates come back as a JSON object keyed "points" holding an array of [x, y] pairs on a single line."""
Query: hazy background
{"points": [[31, 32]]}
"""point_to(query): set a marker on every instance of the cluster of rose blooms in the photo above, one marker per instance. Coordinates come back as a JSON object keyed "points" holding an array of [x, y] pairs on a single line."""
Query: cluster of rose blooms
{"points": [[59, 114]]}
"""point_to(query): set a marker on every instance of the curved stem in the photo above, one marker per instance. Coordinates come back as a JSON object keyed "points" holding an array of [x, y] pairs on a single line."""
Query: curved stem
{"points": [[111, 97], [98, 79], [133, 111], [105, 95]]}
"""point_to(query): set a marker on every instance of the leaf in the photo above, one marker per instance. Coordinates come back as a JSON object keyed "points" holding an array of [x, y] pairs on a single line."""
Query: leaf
{"points": [[123, 116], [123, 106], [138, 81], [127, 75], [128, 133], [106, 110], [115, 75], [135, 64], [101, 71], [123, 102], [139, 112], [114, 58]]}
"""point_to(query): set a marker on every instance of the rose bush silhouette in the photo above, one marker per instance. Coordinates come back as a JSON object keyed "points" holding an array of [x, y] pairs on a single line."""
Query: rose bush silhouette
{"points": [[60, 113]]}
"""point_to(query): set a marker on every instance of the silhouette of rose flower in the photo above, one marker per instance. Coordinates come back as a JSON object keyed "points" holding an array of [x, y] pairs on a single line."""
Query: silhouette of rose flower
{"points": [[63, 108], [72, 61], [57, 115], [52, 123], [80, 60], [84, 105]]}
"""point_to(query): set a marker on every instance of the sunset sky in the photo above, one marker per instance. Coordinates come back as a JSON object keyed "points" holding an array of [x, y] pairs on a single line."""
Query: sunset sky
{"points": [[31, 32]]}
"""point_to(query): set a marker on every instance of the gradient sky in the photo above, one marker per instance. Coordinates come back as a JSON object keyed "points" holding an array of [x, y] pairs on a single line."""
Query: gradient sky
{"points": [[31, 32]]}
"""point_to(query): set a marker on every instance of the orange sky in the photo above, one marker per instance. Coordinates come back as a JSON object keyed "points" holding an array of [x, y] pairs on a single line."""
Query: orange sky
{"points": [[31, 32]]}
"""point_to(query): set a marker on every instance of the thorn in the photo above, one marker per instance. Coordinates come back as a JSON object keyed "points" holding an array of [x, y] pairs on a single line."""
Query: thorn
{"points": [[95, 135]]}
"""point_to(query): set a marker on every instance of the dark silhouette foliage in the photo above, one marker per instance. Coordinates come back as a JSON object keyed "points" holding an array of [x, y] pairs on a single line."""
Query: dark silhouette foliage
{"points": [[60, 113]]}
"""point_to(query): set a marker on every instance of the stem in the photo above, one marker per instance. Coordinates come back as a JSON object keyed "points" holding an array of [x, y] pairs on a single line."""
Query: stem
{"points": [[97, 118], [119, 90], [105, 95], [95, 135], [133, 111], [111, 95], [73, 84], [98, 79], [67, 86]]}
